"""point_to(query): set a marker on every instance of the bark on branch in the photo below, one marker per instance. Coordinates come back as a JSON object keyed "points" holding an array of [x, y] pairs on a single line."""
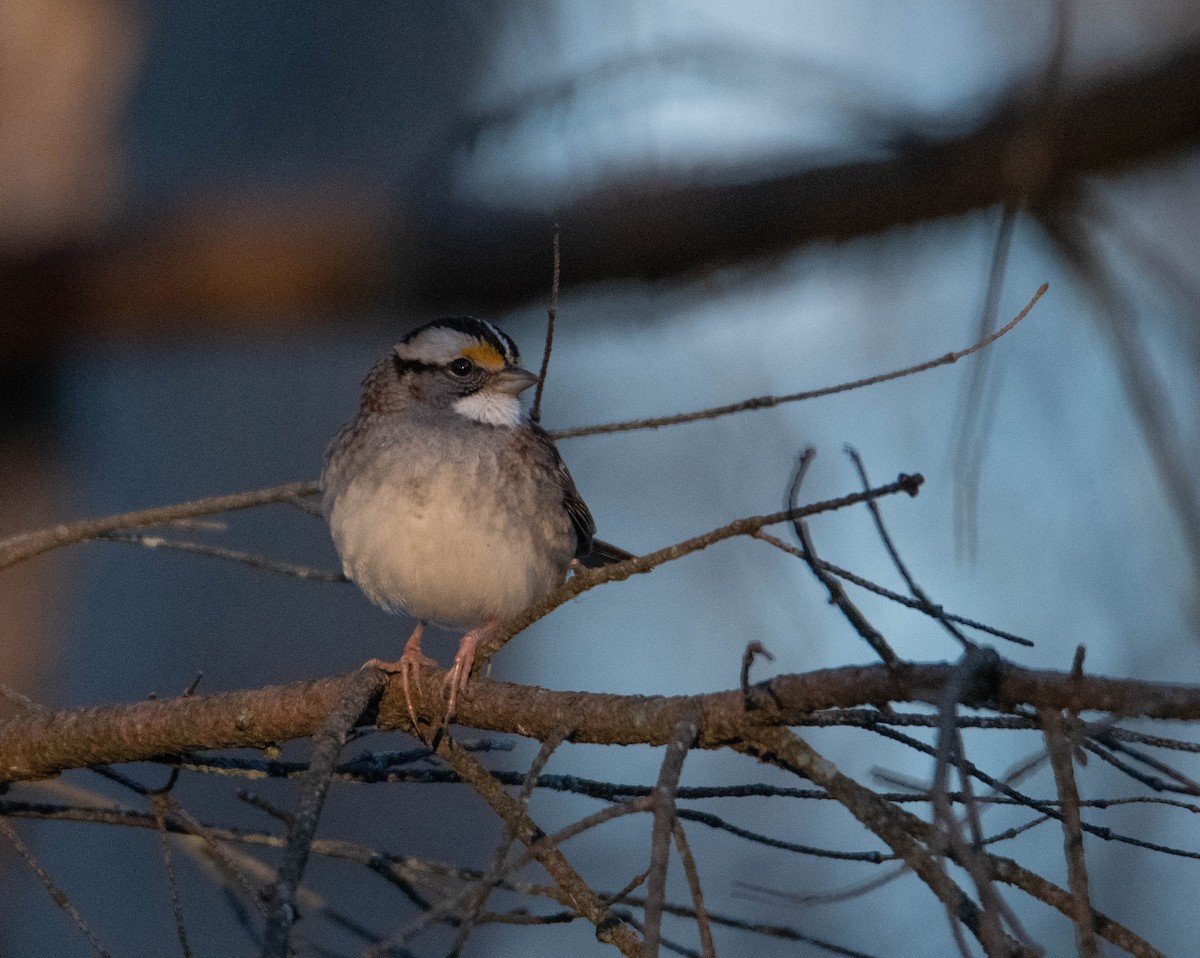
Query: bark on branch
{"points": [[43, 744]]}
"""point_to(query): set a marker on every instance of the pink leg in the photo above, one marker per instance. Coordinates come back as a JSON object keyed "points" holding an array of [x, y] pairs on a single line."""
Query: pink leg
{"points": [[409, 666], [460, 672]]}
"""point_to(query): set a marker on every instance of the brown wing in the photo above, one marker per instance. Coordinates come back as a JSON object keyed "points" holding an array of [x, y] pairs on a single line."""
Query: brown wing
{"points": [[589, 550], [577, 510]]}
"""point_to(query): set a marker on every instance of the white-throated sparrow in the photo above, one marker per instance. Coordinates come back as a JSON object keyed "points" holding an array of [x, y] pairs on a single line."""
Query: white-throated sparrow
{"points": [[445, 501]]}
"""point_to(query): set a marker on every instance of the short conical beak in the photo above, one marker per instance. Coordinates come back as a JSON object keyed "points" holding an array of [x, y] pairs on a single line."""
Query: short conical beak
{"points": [[513, 380]]}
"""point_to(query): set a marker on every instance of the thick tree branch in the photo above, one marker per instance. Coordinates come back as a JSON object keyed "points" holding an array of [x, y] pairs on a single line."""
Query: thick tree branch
{"points": [[44, 744]]}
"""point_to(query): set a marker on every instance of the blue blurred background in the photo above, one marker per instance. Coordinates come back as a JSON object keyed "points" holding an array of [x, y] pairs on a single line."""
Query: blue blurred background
{"points": [[213, 217]]}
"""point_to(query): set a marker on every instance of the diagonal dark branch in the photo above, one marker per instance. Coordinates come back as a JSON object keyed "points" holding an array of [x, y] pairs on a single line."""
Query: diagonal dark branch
{"points": [[692, 873], [158, 805], [837, 596], [1058, 745], [786, 750], [360, 691], [609, 928], [901, 566], [663, 796], [935, 610], [498, 869]]}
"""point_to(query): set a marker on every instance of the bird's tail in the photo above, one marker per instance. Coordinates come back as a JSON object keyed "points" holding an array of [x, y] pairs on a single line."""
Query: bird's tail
{"points": [[604, 553]]}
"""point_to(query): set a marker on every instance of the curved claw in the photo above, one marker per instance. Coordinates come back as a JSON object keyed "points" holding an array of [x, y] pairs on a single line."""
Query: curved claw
{"points": [[408, 667], [459, 675]]}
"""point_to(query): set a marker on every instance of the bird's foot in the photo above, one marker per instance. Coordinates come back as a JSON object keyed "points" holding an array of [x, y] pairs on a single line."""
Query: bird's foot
{"points": [[459, 675], [408, 667]]}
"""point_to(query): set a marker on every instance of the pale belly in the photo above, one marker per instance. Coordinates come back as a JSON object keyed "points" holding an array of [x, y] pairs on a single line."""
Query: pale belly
{"points": [[445, 557]]}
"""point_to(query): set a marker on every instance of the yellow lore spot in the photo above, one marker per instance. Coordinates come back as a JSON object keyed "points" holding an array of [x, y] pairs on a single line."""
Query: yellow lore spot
{"points": [[485, 356]]}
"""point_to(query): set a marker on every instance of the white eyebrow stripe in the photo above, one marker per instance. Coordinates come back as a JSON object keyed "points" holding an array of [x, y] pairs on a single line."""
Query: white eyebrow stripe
{"points": [[436, 345]]}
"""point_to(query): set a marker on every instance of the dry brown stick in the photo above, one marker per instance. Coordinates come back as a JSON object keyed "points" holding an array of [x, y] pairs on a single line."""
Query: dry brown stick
{"points": [[29, 544], [703, 925], [609, 929], [57, 894], [619, 571], [682, 738], [360, 691], [1058, 746], [767, 402]]}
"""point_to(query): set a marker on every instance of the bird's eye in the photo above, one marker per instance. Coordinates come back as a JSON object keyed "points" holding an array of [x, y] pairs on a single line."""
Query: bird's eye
{"points": [[462, 367]]}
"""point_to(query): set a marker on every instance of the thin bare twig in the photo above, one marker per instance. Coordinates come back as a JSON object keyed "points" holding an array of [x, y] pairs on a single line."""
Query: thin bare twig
{"points": [[535, 411], [753, 649], [29, 544], [830, 897], [934, 610], [217, 552], [56, 894], [703, 925], [158, 803], [837, 597], [767, 402]]}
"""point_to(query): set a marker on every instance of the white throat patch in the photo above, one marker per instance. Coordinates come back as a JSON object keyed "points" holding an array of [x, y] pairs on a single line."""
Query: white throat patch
{"points": [[493, 409]]}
